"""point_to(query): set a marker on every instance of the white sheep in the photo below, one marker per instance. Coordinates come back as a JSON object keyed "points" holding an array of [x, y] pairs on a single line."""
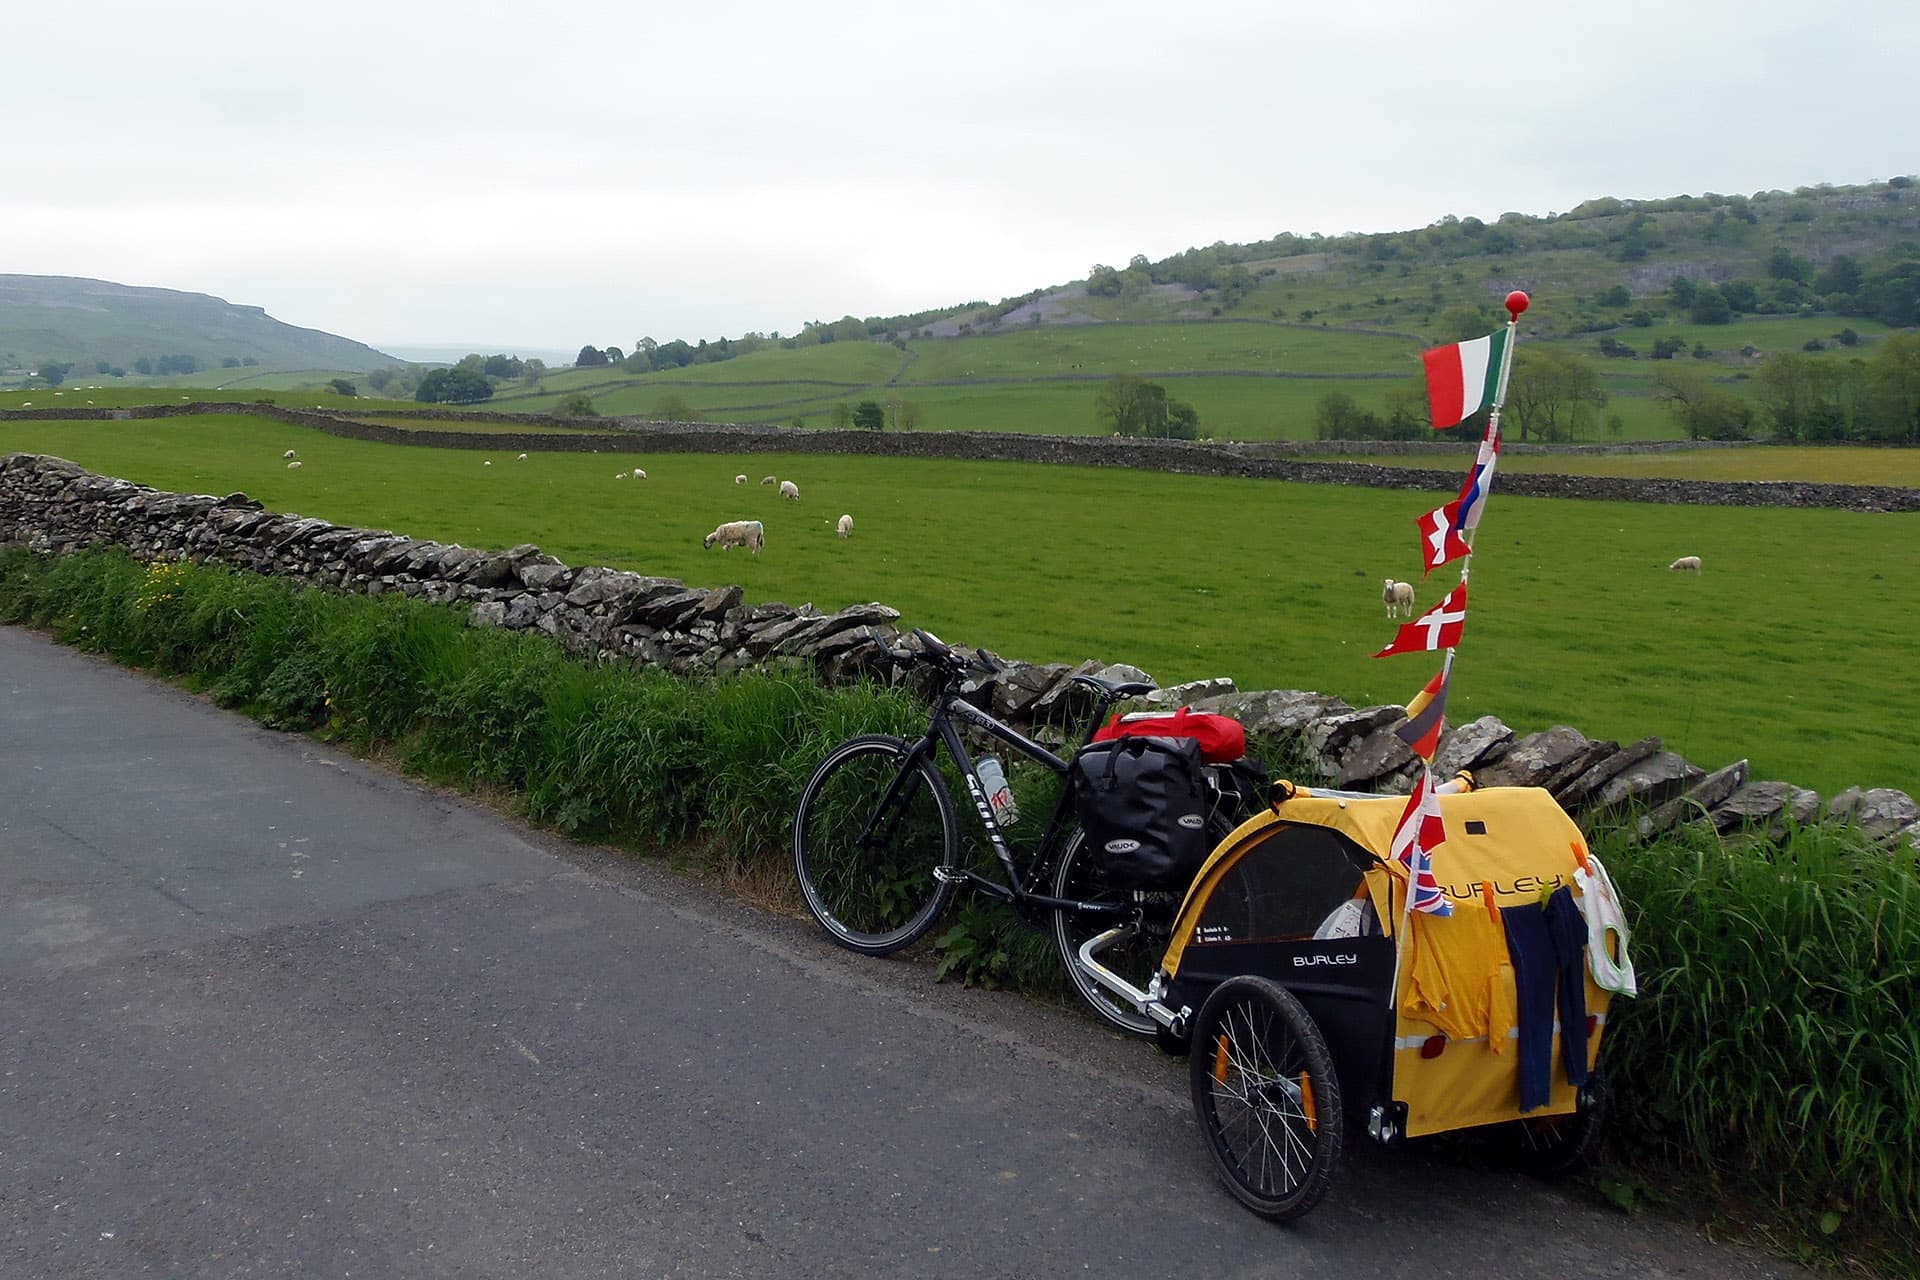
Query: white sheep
{"points": [[769, 480], [288, 455], [1686, 562], [1398, 597], [638, 474], [845, 527], [737, 533], [521, 458], [294, 465], [619, 475], [740, 479], [486, 462], [788, 489]]}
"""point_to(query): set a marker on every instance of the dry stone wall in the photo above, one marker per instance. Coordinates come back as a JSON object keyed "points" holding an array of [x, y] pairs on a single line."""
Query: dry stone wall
{"points": [[53, 506]]}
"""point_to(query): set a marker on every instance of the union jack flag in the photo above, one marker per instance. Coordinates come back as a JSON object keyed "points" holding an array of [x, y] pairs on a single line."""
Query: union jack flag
{"points": [[1420, 832]]}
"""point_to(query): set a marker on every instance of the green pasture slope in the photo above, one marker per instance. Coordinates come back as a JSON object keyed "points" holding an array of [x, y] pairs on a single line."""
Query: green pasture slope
{"points": [[1794, 649]]}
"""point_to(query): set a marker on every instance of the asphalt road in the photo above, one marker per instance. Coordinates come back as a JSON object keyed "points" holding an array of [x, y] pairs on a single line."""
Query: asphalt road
{"points": [[268, 1011]]}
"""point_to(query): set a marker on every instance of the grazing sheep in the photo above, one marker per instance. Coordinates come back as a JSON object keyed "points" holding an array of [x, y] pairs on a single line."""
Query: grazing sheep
{"points": [[845, 527], [294, 465], [638, 474], [1398, 597], [619, 475], [288, 455], [739, 479], [521, 458], [788, 489], [486, 462], [769, 480], [737, 533], [1686, 562]]}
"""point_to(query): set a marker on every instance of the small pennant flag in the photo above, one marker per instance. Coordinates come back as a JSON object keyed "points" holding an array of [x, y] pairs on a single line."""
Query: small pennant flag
{"points": [[1443, 530], [1426, 714], [1437, 628], [1420, 832], [1440, 539], [1462, 379]]}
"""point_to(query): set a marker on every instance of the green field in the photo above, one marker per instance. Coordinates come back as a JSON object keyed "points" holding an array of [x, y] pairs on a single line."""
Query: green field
{"points": [[1793, 649]]}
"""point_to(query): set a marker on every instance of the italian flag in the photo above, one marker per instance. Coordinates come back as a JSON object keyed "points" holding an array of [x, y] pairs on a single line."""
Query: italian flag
{"points": [[1463, 379]]}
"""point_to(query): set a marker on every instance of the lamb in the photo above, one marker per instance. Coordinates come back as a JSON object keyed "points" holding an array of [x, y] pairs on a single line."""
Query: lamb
{"points": [[739, 479], [845, 527], [1398, 597], [788, 489], [638, 474], [521, 458], [294, 465], [288, 455], [737, 533], [1686, 562], [769, 480]]}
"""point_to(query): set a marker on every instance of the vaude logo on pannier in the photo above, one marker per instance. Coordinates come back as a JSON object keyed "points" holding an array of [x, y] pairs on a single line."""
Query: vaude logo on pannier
{"points": [[1123, 846], [1192, 821], [1302, 961]]}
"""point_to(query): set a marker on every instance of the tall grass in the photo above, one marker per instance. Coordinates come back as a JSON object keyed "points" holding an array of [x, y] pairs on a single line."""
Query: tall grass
{"points": [[1775, 1039]]}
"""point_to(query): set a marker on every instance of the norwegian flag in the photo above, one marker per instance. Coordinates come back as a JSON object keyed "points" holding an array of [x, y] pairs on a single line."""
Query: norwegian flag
{"points": [[1437, 628], [1420, 832], [1443, 530]]}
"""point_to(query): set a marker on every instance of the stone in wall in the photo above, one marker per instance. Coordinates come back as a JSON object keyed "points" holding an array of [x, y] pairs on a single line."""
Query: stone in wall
{"points": [[1696, 803]]}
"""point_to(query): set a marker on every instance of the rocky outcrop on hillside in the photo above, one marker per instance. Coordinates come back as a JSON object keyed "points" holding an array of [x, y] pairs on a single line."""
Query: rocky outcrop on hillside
{"points": [[53, 506]]}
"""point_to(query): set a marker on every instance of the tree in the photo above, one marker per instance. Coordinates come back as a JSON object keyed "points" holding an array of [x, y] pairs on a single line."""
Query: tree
{"points": [[143, 366], [1894, 379], [1614, 296], [1707, 412], [340, 386], [615, 355], [868, 415], [1338, 416], [103, 366], [1709, 306], [1131, 406], [673, 408], [576, 404], [453, 386], [54, 372], [1554, 395], [840, 417], [226, 362], [590, 356], [1669, 347], [1681, 292]]}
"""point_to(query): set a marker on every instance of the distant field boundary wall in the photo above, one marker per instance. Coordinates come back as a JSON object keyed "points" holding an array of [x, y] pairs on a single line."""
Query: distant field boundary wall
{"points": [[55, 507], [1260, 461]]}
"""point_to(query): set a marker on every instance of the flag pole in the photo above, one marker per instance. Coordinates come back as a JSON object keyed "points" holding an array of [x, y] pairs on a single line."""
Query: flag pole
{"points": [[1516, 302]]}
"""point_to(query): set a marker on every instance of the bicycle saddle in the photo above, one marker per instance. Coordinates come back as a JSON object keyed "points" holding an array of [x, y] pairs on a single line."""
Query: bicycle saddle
{"points": [[1113, 690]]}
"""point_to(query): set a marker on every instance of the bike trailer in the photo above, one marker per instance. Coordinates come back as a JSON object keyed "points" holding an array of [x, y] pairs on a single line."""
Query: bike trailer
{"points": [[1434, 1022]]}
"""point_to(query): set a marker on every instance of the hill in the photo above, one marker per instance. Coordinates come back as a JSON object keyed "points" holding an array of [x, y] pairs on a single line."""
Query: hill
{"points": [[1256, 336], [86, 323]]}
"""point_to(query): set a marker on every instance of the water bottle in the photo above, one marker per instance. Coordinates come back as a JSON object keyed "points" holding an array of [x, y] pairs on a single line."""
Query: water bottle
{"points": [[993, 781]]}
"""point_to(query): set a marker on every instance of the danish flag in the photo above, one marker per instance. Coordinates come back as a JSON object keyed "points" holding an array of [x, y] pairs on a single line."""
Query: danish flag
{"points": [[1437, 628]]}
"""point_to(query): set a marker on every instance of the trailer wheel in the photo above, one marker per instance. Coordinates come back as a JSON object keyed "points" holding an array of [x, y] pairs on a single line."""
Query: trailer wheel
{"points": [[1554, 1146], [1266, 1096]]}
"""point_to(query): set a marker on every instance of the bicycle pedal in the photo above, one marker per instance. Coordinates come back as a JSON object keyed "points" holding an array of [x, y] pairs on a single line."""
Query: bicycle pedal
{"points": [[949, 875]]}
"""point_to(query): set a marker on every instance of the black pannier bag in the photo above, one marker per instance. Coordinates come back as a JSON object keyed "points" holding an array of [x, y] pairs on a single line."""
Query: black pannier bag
{"points": [[1143, 803]]}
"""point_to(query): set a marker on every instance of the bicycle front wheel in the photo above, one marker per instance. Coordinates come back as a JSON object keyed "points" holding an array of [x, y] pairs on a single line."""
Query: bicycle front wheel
{"points": [[1264, 1091], [1134, 958], [867, 836]]}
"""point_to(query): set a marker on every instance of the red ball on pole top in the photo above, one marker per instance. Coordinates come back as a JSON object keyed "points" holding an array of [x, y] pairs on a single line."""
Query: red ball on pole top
{"points": [[1516, 303]]}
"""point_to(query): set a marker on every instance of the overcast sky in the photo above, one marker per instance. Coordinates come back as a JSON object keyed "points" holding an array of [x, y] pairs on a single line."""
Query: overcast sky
{"points": [[512, 175]]}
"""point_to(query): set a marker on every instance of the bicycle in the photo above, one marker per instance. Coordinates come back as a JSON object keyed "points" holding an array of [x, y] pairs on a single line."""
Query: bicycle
{"points": [[876, 841]]}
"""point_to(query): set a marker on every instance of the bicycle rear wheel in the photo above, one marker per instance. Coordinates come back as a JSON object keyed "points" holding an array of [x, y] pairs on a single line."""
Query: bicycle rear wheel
{"points": [[867, 836], [1265, 1093], [1134, 958]]}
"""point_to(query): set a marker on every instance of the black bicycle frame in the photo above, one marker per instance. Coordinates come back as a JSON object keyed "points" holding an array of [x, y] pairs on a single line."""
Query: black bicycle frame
{"points": [[1018, 890]]}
